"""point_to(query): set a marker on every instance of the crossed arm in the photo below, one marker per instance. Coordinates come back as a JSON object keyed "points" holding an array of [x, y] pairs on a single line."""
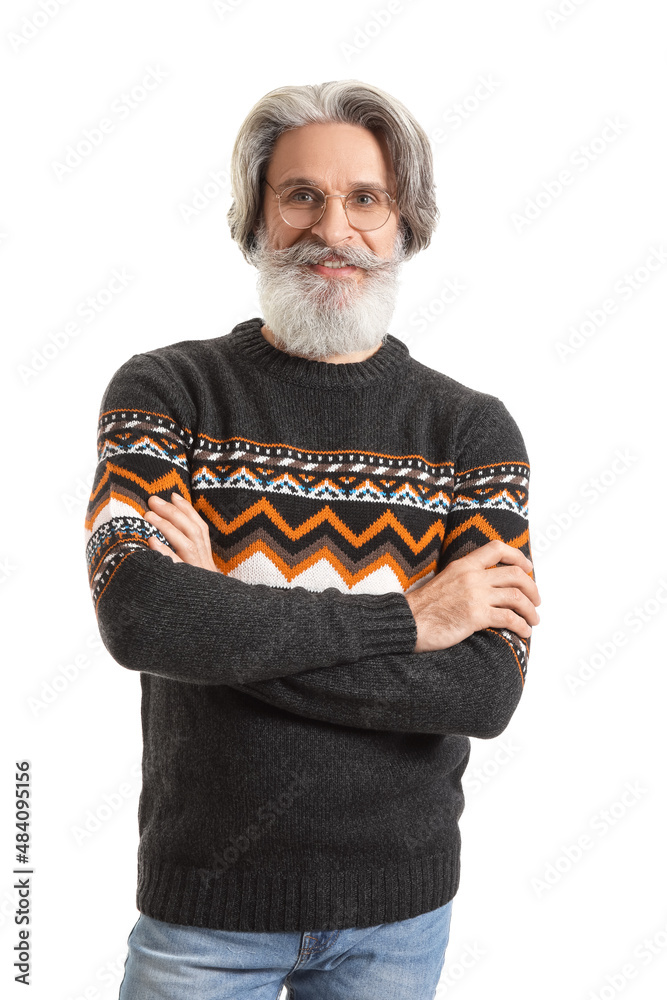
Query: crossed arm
{"points": [[471, 688], [361, 670]]}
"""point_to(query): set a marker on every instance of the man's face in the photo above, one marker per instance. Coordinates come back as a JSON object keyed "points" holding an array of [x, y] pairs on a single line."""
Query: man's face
{"points": [[312, 310]]}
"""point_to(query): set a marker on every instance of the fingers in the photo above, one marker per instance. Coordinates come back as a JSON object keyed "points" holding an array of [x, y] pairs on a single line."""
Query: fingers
{"points": [[514, 576], [179, 513], [513, 592], [155, 543], [506, 618], [174, 522], [178, 510], [173, 535], [514, 599], [184, 529], [495, 552]]}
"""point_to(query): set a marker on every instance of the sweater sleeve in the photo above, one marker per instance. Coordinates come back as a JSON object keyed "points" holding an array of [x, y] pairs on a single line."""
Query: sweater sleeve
{"points": [[473, 687], [184, 622]]}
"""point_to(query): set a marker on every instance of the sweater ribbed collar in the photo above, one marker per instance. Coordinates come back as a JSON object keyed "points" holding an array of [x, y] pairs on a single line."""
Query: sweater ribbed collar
{"points": [[247, 339]]}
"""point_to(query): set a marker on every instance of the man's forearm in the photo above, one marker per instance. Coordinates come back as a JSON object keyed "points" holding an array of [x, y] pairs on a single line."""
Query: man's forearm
{"points": [[189, 624], [469, 689]]}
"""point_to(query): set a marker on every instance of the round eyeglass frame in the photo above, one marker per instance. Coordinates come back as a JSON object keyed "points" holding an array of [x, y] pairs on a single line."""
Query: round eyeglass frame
{"points": [[324, 206]]}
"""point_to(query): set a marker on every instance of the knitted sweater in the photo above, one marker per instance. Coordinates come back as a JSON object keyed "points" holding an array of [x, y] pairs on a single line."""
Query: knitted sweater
{"points": [[301, 763]]}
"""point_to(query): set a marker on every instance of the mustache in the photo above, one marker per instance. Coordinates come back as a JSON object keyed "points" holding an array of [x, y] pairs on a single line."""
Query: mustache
{"points": [[310, 252]]}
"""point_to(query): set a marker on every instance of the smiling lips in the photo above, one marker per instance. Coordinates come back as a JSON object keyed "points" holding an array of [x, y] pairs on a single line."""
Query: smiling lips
{"points": [[332, 268]]}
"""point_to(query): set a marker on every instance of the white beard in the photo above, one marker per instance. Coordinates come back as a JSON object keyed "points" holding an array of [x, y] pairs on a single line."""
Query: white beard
{"points": [[317, 317]]}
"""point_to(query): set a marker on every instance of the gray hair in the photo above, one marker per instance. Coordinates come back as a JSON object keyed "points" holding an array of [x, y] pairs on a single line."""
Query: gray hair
{"points": [[347, 101]]}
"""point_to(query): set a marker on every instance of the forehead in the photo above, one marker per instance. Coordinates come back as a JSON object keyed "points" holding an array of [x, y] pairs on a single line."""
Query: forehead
{"points": [[335, 154]]}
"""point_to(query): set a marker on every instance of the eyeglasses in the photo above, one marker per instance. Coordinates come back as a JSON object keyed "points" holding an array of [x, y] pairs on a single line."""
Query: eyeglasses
{"points": [[302, 207]]}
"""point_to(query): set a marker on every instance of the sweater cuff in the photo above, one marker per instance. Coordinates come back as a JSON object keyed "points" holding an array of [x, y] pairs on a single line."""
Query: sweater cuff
{"points": [[388, 625]]}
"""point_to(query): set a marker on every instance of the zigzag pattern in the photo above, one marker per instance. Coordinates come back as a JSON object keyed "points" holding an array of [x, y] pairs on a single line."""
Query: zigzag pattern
{"points": [[407, 480], [363, 522]]}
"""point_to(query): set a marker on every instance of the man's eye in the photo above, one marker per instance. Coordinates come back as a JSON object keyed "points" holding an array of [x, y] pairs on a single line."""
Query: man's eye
{"points": [[363, 198], [304, 196]]}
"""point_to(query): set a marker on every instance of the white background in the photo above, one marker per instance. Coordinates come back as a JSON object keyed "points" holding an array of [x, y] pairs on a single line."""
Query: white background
{"points": [[526, 920]]}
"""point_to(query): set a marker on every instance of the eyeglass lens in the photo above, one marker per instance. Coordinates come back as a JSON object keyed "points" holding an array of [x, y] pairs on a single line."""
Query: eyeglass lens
{"points": [[302, 207]]}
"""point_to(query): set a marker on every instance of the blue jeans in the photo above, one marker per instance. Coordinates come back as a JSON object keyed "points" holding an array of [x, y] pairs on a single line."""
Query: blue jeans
{"points": [[396, 961]]}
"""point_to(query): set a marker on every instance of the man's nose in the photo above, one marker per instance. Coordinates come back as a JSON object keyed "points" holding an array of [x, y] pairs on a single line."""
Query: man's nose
{"points": [[333, 226]]}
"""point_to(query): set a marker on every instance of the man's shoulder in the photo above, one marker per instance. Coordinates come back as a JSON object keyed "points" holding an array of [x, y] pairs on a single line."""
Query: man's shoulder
{"points": [[185, 354], [193, 363], [175, 378], [441, 387]]}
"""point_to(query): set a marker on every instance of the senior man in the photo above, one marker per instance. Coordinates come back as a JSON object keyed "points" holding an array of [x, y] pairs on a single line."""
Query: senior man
{"points": [[346, 597]]}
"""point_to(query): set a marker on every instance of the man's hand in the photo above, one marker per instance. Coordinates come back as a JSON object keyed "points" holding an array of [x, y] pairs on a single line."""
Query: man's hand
{"points": [[183, 528], [473, 593]]}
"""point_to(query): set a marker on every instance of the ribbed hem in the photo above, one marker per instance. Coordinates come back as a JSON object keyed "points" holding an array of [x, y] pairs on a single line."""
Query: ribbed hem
{"points": [[262, 901], [251, 346], [389, 625]]}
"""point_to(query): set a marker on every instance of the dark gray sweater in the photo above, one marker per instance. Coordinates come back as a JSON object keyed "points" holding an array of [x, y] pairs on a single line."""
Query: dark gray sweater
{"points": [[302, 764]]}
